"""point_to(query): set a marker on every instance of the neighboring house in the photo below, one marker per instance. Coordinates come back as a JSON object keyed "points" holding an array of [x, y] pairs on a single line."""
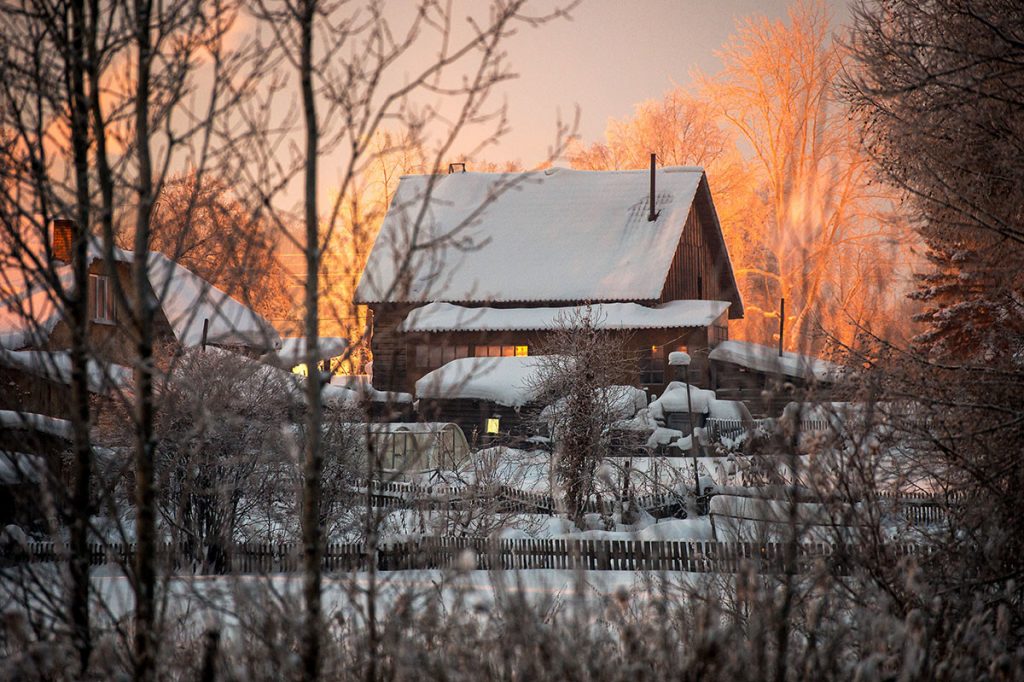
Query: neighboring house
{"points": [[765, 380], [485, 265], [35, 334]]}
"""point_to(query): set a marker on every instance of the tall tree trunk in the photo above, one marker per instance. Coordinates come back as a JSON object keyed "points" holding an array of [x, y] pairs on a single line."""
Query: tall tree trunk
{"points": [[313, 465], [80, 507], [145, 442]]}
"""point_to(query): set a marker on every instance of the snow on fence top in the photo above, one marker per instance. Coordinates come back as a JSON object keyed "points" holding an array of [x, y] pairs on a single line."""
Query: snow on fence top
{"points": [[440, 316], [765, 359], [505, 381], [552, 235]]}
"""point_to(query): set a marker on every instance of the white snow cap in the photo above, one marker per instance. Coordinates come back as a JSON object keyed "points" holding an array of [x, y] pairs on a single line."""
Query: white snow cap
{"points": [[765, 359], [674, 399], [678, 359], [553, 235], [440, 316], [505, 381]]}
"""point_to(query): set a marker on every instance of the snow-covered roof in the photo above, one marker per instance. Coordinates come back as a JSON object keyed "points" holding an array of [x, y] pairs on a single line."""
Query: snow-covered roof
{"points": [[56, 366], [29, 313], [187, 300], [505, 381], [765, 359], [293, 350], [29, 421], [551, 235], [440, 316]]}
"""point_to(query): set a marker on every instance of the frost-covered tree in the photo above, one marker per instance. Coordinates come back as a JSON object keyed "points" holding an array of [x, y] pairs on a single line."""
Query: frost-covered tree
{"points": [[579, 362], [940, 94]]}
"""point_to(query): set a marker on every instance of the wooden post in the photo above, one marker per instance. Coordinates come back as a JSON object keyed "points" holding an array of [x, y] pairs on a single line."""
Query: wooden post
{"points": [[206, 329], [782, 323]]}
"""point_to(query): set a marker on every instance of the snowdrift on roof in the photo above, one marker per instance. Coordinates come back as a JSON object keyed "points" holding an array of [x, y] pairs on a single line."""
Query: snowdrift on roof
{"points": [[764, 359], [440, 316], [554, 235], [505, 381]]}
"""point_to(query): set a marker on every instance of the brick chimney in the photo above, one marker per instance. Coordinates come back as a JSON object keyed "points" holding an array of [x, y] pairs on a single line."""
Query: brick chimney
{"points": [[63, 235]]}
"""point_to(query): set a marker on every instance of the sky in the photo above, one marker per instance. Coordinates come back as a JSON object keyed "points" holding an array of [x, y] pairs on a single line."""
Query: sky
{"points": [[612, 55]]}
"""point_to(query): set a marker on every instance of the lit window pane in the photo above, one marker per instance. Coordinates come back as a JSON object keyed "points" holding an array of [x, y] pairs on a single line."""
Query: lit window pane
{"points": [[522, 351]]}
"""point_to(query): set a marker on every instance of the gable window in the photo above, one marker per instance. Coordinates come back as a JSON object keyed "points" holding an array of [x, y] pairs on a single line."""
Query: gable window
{"points": [[101, 299]]}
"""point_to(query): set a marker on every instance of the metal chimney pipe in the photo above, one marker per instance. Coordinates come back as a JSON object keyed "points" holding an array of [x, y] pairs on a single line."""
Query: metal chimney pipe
{"points": [[652, 215]]}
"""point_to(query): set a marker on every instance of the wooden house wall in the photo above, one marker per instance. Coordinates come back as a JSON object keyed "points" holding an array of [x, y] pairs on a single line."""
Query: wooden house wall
{"points": [[24, 392], [403, 374]]}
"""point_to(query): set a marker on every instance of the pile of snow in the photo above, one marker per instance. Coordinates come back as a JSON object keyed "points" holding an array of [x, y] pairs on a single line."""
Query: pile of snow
{"points": [[551, 235], [440, 316], [678, 359], [56, 366], [765, 359], [293, 350], [729, 409], [674, 399], [505, 381]]}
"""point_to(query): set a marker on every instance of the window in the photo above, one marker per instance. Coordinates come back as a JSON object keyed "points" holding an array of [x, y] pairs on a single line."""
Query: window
{"points": [[501, 351], [717, 334], [101, 299], [432, 357], [652, 366]]}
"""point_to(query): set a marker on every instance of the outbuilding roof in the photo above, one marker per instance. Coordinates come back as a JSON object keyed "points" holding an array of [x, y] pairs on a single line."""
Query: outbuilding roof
{"points": [[554, 235]]}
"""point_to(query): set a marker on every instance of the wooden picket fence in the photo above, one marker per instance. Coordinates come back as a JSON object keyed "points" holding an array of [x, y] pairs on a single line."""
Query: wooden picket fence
{"points": [[487, 554], [391, 494]]}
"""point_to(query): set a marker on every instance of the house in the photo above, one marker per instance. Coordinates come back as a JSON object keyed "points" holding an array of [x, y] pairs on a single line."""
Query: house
{"points": [[474, 265], [767, 380], [35, 334]]}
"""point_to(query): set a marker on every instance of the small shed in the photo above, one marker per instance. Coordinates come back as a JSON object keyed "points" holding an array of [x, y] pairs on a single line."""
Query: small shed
{"points": [[489, 395], [766, 380]]}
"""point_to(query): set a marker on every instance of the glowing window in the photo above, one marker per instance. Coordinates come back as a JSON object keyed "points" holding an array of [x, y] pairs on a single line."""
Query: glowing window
{"points": [[493, 425], [522, 351], [301, 370]]}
